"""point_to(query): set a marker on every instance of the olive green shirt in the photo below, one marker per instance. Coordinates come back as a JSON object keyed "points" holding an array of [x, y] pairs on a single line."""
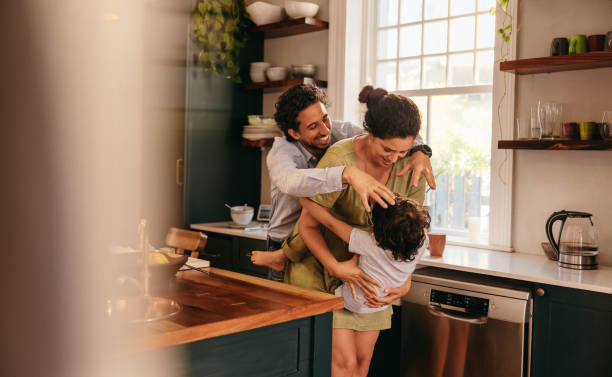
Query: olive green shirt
{"points": [[303, 269]]}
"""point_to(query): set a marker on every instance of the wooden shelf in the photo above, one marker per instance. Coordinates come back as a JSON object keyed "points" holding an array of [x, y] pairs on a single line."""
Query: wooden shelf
{"points": [[257, 143], [280, 85], [556, 144], [291, 27], [589, 60]]}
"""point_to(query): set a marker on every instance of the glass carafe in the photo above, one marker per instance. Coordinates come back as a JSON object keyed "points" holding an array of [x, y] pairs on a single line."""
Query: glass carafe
{"points": [[577, 243]]}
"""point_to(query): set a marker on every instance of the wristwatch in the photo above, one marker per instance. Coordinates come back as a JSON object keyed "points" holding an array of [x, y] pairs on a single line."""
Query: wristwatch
{"points": [[421, 148]]}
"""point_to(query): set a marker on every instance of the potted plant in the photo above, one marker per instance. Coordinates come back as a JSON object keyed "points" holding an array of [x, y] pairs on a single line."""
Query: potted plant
{"points": [[219, 30]]}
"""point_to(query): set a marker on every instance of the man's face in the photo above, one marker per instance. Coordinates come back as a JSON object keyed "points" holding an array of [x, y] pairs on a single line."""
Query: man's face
{"points": [[314, 129]]}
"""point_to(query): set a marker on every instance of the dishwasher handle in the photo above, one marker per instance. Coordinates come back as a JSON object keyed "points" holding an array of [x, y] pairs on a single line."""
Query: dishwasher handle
{"points": [[440, 312]]}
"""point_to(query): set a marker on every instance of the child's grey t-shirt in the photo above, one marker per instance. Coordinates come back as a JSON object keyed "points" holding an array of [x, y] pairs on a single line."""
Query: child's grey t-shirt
{"points": [[380, 265]]}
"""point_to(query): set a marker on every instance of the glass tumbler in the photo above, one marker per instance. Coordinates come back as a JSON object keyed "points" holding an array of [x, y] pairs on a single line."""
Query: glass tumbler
{"points": [[545, 119], [556, 119], [534, 125]]}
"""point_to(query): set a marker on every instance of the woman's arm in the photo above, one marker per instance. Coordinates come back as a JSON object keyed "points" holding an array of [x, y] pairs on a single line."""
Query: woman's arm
{"points": [[310, 231]]}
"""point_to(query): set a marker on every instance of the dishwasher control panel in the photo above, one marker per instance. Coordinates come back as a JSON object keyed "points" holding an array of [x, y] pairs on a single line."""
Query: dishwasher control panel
{"points": [[461, 303]]}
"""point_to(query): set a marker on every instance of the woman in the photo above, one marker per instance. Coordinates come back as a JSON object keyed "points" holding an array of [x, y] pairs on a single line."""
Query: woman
{"points": [[392, 122]]}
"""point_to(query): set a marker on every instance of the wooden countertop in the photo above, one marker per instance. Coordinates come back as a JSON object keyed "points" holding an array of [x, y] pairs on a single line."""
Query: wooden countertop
{"points": [[224, 302], [223, 227]]}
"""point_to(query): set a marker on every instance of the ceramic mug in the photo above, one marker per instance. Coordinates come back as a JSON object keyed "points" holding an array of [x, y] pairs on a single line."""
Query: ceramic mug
{"points": [[596, 42], [578, 44], [559, 46], [569, 131], [587, 130], [608, 42], [437, 242]]}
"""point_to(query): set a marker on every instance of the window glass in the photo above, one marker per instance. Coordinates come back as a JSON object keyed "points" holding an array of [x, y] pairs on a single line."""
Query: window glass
{"points": [[436, 9], [484, 67], [409, 74], [434, 72], [485, 5], [462, 7], [461, 140], [411, 11], [421, 102], [387, 12], [435, 37], [385, 75], [486, 31], [410, 41], [386, 44], [462, 34], [461, 69]]}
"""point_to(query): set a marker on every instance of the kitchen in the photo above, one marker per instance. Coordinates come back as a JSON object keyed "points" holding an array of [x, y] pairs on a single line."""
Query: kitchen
{"points": [[105, 163]]}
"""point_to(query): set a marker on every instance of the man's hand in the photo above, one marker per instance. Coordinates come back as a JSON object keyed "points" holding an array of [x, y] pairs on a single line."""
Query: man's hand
{"points": [[367, 187], [349, 273], [393, 294], [419, 162]]}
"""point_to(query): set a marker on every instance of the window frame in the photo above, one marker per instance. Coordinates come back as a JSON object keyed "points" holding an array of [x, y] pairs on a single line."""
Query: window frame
{"points": [[345, 20]]}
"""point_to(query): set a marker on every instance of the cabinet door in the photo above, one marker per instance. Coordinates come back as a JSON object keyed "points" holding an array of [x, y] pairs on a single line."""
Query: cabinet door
{"points": [[572, 333], [243, 262], [219, 250]]}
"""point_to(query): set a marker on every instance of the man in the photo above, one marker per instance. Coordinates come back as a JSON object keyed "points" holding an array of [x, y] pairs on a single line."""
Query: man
{"points": [[302, 115]]}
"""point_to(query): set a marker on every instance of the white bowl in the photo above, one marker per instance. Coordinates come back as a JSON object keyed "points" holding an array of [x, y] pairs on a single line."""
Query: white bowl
{"points": [[264, 13], [258, 76], [242, 215], [276, 73], [299, 9]]}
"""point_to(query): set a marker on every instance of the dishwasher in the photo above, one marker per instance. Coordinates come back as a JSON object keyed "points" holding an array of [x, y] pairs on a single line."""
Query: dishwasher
{"points": [[458, 324]]}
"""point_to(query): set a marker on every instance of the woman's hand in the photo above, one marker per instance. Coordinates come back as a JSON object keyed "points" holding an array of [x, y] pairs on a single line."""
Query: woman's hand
{"points": [[349, 273], [367, 187], [420, 163], [393, 294]]}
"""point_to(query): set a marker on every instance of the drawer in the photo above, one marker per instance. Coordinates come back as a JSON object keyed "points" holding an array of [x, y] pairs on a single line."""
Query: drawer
{"points": [[244, 265], [218, 251]]}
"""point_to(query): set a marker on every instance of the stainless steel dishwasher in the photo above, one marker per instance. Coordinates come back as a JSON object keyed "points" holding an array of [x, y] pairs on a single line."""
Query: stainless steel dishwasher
{"points": [[457, 324]]}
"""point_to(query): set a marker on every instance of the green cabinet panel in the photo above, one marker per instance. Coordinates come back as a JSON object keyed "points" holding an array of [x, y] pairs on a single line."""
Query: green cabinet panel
{"points": [[231, 253], [221, 247], [572, 333], [243, 262]]}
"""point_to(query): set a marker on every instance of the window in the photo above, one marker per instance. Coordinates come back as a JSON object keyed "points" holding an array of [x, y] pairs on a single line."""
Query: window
{"points": [[440, 54]]}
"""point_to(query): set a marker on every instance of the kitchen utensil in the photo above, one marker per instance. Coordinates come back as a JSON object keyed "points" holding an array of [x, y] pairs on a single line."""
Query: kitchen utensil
{"points": [[587, 130], [263, 13], [596, 42], [522, 128], [559, 46], [569, 130], [608, 42], [276, 73], [606, 125], [578, 44], [436, 244], [242, 215], [258, 76], [299, 9], [303, 70], [576, 246]]}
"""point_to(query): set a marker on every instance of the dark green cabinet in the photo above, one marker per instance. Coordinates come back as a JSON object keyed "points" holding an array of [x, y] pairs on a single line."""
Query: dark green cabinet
{"points": [[230, 253], [572, 333]]}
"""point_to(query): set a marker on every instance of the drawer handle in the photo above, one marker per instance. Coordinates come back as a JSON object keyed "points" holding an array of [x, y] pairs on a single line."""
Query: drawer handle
{"points": [[477, 320], [540, 292], [205, 254]]}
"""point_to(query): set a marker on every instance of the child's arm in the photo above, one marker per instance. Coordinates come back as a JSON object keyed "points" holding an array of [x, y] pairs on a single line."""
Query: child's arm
{"points": [[322, 215], [392, 295]]}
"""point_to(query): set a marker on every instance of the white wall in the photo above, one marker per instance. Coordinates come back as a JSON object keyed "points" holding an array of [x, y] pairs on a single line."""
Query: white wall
{"points": [[548, 181]]}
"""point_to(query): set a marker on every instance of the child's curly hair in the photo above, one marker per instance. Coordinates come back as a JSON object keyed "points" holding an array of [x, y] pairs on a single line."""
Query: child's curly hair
{"points": [[400, 228]]}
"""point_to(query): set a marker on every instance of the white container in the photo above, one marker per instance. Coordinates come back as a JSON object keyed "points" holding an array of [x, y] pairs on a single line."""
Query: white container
{"points": [[299, 9], [242, 215], [276, 73], [258, 76], [474, 228], [263, 13], [260, 66]]}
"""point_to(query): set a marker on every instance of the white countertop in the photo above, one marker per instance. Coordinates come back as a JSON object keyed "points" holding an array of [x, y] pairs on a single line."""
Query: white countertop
{"points": [[519, 266], [223, 227]]}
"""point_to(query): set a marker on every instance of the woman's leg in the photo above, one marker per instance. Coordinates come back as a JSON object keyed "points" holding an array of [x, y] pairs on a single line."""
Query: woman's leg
{"points": [[344, 353], [364, 343]]}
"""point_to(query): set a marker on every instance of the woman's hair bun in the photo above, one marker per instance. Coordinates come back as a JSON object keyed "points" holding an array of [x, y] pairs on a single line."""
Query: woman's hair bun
{"points": [[370, 95]]}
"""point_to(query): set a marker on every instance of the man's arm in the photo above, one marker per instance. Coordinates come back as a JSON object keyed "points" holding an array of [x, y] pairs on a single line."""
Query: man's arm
{"points": [[285, 174]]}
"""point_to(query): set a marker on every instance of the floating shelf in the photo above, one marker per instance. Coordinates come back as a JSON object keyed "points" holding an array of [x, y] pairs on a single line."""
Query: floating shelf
{"points": [[280, 85], [291, 27], [556, 144], [257, 143], [588, 60]]}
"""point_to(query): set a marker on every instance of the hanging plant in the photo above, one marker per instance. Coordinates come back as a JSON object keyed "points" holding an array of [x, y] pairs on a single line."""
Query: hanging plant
{"points": [[220, 32]]}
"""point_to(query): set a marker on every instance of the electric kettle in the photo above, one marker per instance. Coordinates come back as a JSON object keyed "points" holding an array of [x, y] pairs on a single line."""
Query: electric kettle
{"points": [[576, 245]]}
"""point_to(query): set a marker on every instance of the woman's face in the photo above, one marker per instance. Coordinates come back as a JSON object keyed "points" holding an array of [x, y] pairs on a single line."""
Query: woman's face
{"points": [[386, 152]]}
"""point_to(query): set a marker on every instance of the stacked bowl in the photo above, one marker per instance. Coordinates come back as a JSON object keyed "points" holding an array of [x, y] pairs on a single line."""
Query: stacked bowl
{"points": [[258, 71]]}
